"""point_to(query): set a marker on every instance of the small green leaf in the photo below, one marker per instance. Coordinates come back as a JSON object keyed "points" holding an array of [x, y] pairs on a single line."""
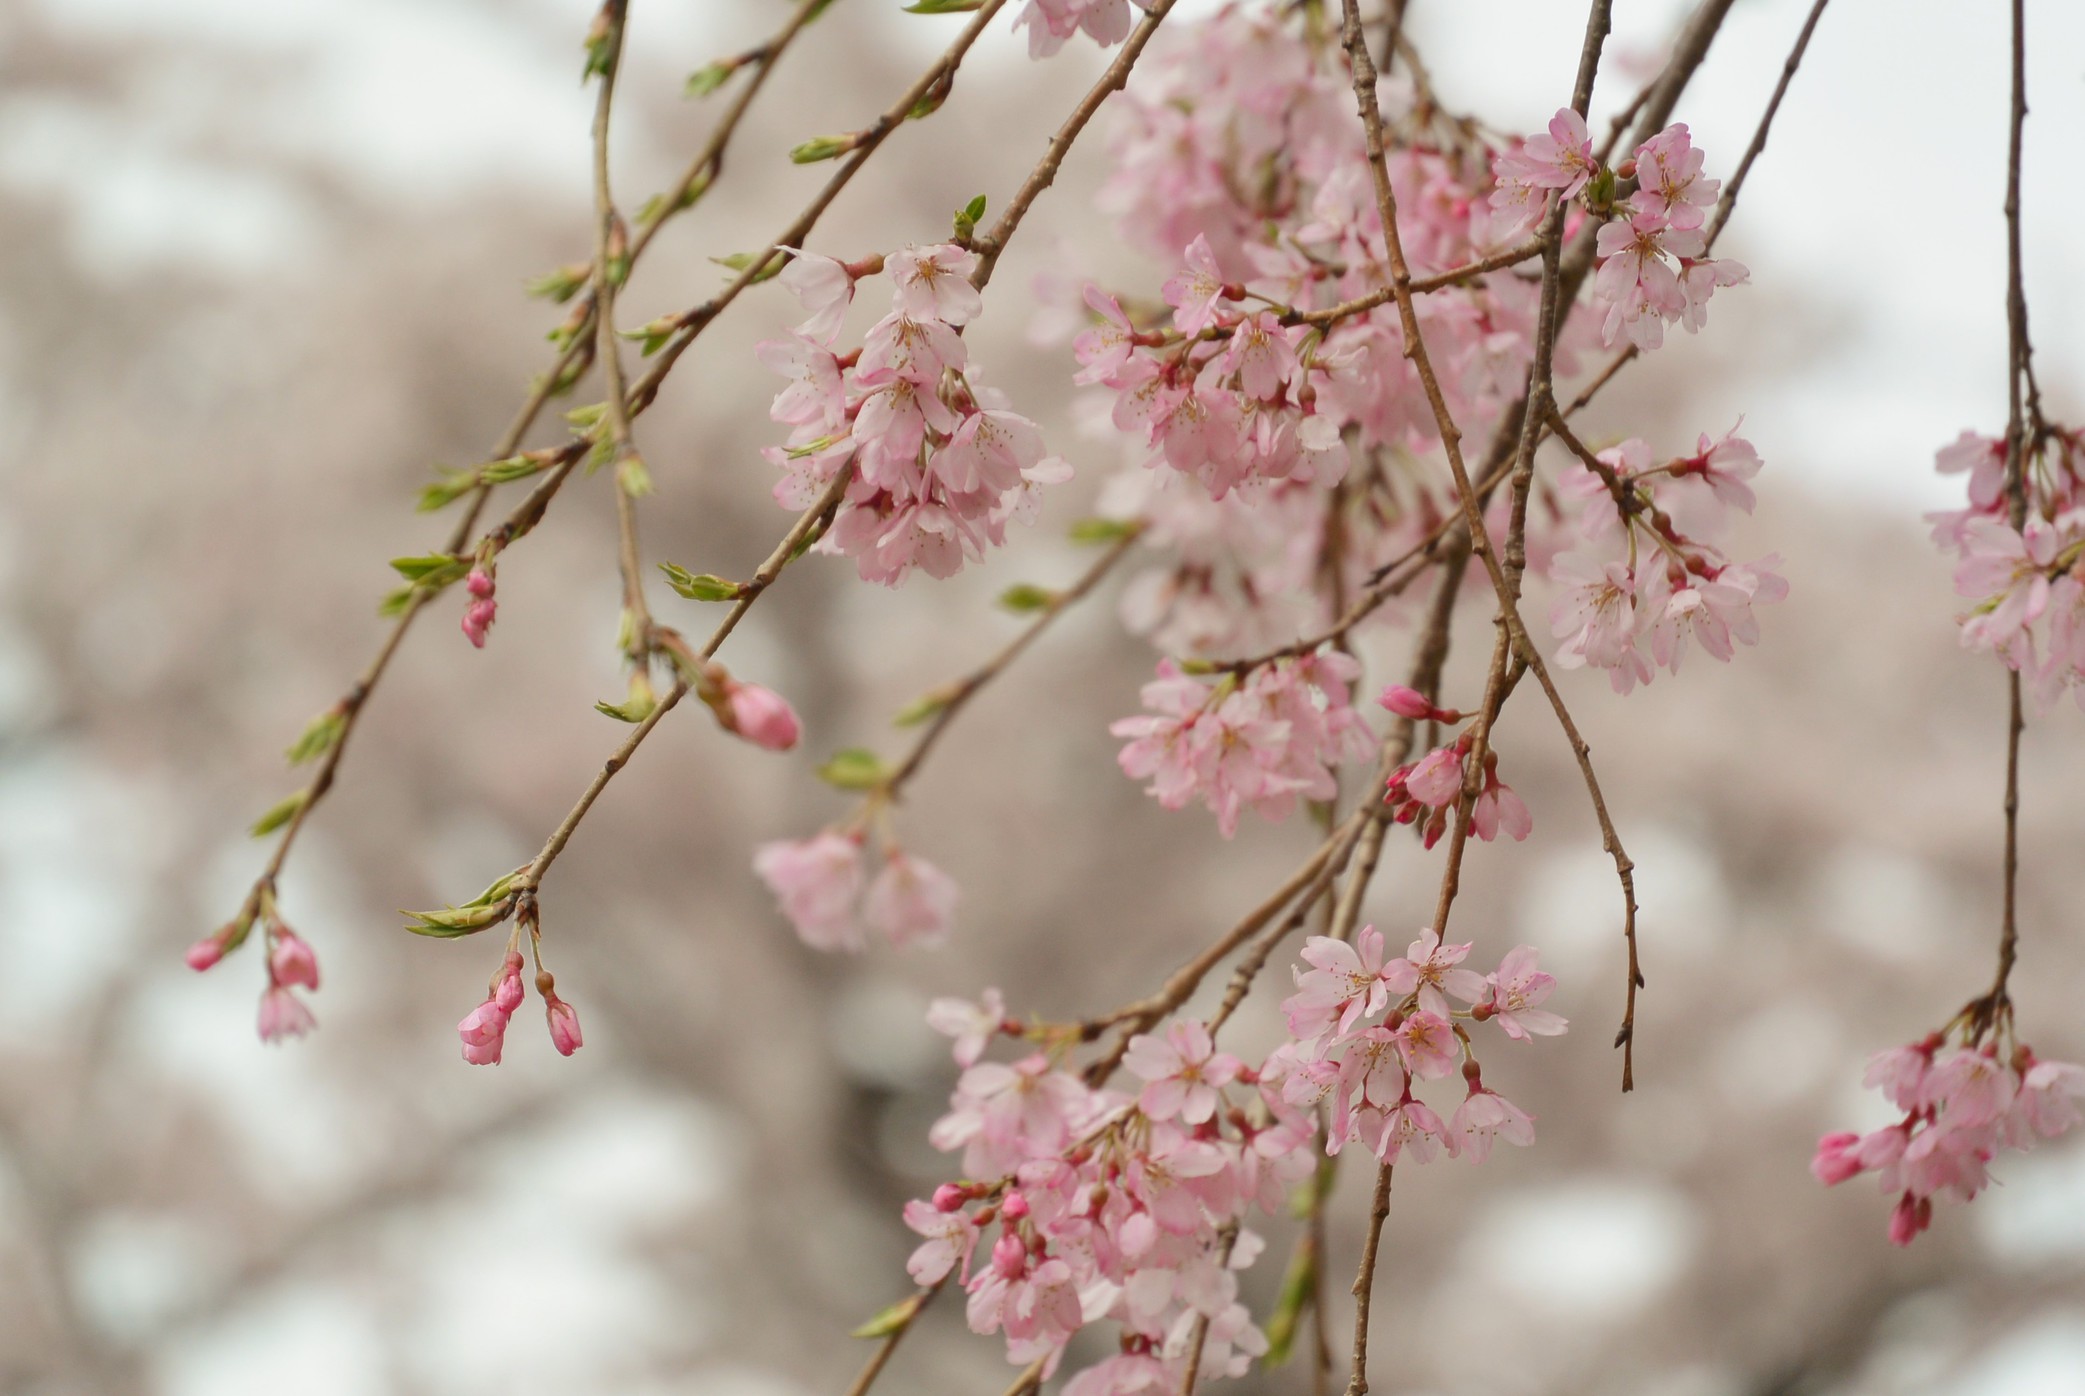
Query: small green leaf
{"points": [[920, 709], [320, 736], [453, 485], [820, 148], [1097, 530], [769, 262], [634, 476], [431, 569], [1024, 598], [637, 709], [587, 416], [279, 814], [891, 1320], [452, 922], [855, 768], [968, 217], [505, 472], [395, 602], [561, 284], [701, 586], [710, 77]]}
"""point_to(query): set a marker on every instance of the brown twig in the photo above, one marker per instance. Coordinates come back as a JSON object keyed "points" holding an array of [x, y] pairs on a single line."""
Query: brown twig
{"points": [[991, 244], [1996, 1005], [1364, 1282]]}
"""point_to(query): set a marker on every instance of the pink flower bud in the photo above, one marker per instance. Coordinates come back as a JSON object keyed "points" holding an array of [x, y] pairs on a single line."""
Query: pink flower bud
{"points": [[478, 618], [763, 717], [564, 1025], [1838, 1158], [507, 993], [1015, 1207], [1912, 1216], [291, 961], [478, 583], [1406, 702], [950, 1197], [206, 952], [484, 1032], [1009, 1256]]}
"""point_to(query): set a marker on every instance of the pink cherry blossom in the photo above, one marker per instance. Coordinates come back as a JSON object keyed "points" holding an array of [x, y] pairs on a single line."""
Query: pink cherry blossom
{"points": [[1428, 1044], [826, 289], [1516, 987], [1560, 159], [911, 902], [1669, 179], [971, 1025], [934, 282], [1184, 1073], [1432, 971], [951, 1238], [1196, 292], [816, 881], [1345, 982], [283, 1015], [1483, 1116]]}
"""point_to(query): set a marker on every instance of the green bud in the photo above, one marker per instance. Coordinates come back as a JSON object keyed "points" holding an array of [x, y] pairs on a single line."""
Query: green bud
{"points": [[769, 262], [1097, 530], [700, 586], [968, 217], [279, 814], [891, 1320], [634, 476], [922, 708], [562, 284], [320, 736], [855, 768], [708, 79], [823, 148], [452, 922], [1023, 598], [943, 7]]}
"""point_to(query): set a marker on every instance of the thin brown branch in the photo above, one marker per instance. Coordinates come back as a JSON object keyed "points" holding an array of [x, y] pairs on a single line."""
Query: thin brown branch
{"points": [[991, 244], [873, 1368], [1364, 1282]]}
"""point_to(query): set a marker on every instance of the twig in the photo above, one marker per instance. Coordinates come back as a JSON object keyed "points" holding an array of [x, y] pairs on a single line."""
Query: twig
{"points": [[991, 244], [1364, 1282], [610, 266], [1996, 1006]]}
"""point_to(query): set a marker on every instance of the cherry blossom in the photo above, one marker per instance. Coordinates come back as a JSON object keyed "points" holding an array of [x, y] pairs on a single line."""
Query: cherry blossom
{"points": [[1184, 1073]]}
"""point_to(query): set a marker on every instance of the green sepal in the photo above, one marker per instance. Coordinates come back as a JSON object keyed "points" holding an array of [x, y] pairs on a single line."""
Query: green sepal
{"points": [[701, 586]]}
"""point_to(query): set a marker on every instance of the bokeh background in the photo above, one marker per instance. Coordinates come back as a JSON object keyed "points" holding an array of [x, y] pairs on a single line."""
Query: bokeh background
{"points": [[262, 271]]}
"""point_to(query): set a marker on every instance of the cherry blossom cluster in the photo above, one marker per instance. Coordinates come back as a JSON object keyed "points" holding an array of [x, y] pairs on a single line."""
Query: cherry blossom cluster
{"points": [[1654, 265], [1362, 1067], [939, 464], [822, 885], [1643, 580], [2028, 602], [1429, 788], [1274, 362], [484, 1028], [1093, 1206], [290, 962], [1261, 742], [1961, 1105]]}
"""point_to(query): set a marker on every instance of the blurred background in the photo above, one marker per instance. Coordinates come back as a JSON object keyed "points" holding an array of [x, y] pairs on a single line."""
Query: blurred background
{"points": [[263, 271]]}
